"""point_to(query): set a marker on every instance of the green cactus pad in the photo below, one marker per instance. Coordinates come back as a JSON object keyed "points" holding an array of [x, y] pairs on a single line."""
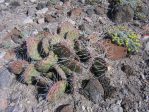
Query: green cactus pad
{"points": [[45, 64], [56, 91], [63, 49], [32, 48], [29, 73], [17, 66], [73, 65]]}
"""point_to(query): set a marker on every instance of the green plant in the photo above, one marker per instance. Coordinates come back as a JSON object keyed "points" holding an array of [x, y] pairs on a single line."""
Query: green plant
{"points": [[123, 36]]}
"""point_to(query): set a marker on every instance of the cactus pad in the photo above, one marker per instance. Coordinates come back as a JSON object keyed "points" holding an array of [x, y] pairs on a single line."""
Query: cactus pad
{"points": [[45, 64], [32, 48], [56, 91]]}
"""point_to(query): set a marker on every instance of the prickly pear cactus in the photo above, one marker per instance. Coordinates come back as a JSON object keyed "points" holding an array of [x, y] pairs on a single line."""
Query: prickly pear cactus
{"points": [[32, 48], [17, 66], [29, 73], [99, 66], [56, 91], [45, 64]]}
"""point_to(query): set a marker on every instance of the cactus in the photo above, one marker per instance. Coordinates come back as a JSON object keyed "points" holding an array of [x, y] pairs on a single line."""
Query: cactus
{"points": [[29, 73], [67, 30], [82, 51], [73, 65], [55, 39], [99, 66], [73, 35], [64, 49], [56, 91], [32, 48], [45, 64], [17, 67], [123, 36]]}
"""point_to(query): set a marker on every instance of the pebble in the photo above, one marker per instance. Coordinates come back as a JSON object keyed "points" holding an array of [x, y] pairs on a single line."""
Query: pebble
{"points": [[41, 6], [33, 1], [90, 12], [42, 11], [41, 21], [28, 20], [2, 1]]}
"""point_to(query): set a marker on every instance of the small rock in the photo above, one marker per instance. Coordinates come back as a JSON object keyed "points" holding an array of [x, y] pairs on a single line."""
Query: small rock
{"points": [[82, 1], [2, 1], [48, 18], [14, 4], [90, 11], [6, 78], [33, 1], [64, 1], [94, 90], [28, 20], [76, 12], [41, 6], [65, 108], [41, 21], [99, 10], [128, 70], [88, 19], [3, 100], [42, 11]]}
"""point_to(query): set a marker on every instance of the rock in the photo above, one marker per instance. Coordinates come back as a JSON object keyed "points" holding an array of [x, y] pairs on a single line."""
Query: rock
{"points": [[76, 12], [2, 1], [128, 70], [94, 90], [3, 100], [6, 78], [33, 1], [28, 20], [65, 1], [41, 21], [48, 18], [122, 14], [90, 11], [16, 36], [42, 11], [41, 6], [91, 2], [65, 108], [100, 10], [14, 4]]}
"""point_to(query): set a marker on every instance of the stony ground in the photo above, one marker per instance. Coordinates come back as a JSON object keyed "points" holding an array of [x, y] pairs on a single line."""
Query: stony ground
{"points": [[126, 84]]}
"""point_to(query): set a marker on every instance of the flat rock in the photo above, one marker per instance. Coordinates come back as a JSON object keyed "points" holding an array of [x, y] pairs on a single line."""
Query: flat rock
{"points": [[94, 91], [6, 78]]}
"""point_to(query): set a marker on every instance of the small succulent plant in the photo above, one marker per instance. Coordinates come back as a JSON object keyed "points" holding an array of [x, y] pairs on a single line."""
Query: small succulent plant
{"points": [[123, 36]]}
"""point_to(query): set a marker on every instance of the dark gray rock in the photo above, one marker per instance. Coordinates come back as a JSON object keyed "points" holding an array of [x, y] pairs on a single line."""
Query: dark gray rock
{"points": [[90, 11], [41, 6], [94, 91], [65, 108], [121, 14]]}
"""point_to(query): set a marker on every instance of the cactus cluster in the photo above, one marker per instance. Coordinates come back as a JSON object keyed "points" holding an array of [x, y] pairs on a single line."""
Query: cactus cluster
{"points": [[123, 36], [54, 58]]}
